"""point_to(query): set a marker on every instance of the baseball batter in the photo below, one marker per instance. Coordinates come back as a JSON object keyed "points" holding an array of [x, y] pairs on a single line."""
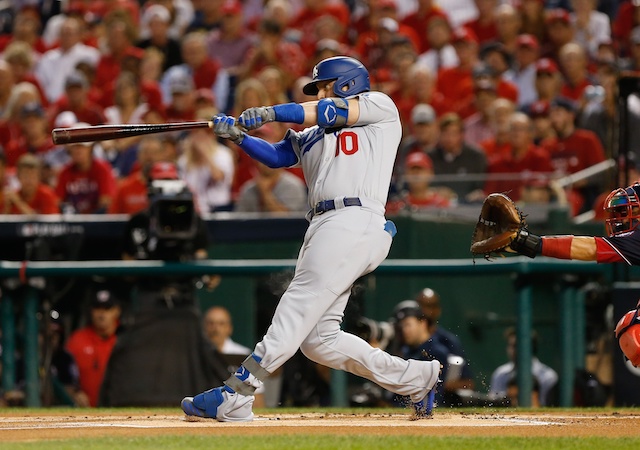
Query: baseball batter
{"points": [[347, 155]]}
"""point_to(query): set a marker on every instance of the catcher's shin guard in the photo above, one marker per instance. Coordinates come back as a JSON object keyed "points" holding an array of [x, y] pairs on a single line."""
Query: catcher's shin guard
{"points": [[526, 244]]}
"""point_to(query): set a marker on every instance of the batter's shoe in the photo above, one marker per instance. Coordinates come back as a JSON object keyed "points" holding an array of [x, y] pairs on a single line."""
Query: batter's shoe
{"points": [[221, 403], [424, 403]]}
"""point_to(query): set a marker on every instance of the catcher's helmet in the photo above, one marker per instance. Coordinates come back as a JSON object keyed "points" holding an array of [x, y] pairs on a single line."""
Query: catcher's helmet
{"points": [[622, 210], [628, 335], [350, 74]]}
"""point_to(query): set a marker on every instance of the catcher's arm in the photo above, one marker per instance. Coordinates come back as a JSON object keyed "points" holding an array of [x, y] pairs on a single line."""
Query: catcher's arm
{"points": [[582, 248]]}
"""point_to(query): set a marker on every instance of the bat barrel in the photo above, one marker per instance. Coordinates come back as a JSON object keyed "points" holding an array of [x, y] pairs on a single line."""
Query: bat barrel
{"points": [[62, 136]]}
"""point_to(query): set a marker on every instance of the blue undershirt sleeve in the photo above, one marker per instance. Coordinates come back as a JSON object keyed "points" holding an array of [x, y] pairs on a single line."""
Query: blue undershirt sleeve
{"points": [[280, 154]]}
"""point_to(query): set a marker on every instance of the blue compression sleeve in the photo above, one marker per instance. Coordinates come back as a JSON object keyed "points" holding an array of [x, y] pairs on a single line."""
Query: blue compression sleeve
{"points": [[289, 112], [280, 154]]}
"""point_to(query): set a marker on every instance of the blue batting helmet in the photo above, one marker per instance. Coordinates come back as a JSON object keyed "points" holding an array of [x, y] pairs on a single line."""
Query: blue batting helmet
{"points": [[350, 74]]}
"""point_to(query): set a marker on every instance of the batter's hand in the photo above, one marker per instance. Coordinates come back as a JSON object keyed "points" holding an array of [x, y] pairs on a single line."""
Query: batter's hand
{"points": [[225, 127], [254, 118]]}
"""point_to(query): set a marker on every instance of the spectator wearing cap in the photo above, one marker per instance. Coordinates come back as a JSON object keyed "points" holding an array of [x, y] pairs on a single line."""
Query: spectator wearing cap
{"points": [[181, 95], [440, 54], [207, 166], [460, 165], [524, 166], [495, 65], [317, 14], [230, 44], [574, 63], [120, 36], [92, 345], [623, 24], [33, 196], [156, 20], [478, 127], [416, 340], [11, 125], [508, 25], [420, 20], [35, 137], [455, 84], [21, 57], [131, 195], [55, 65], [560, 31], [548, 79], [591, 26], [523, 74], [417, 192], [26, 29], [543, 132], [77, 100], [86, 184], [484, 25], [573, 150]]}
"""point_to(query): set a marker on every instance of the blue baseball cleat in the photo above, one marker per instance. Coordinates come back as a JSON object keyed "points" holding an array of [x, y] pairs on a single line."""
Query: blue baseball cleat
{"points": [[424, 408], [221, 403], [423, 405]]}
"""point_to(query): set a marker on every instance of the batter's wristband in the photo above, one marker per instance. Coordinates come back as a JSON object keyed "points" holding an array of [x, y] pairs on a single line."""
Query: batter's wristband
{"points": [[289, 113], [557, 246]]}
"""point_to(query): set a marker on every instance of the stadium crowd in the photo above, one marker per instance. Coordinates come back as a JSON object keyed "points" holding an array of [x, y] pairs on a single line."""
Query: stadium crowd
{"points": [[494, 96]]}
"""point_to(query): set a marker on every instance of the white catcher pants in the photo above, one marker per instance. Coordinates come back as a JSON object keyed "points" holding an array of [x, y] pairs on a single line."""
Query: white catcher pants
{"points": [[338, 248]]}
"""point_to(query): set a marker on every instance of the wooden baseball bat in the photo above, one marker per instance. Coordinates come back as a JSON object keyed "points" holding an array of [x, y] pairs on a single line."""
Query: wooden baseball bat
{"points": [[63, 136]]}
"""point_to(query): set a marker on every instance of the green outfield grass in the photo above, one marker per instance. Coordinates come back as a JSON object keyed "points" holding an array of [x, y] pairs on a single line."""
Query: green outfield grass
{"points": [[329, 442]]}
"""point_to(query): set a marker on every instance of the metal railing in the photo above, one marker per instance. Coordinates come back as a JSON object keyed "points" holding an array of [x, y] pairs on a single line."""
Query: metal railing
{"points": [[571, 302]]}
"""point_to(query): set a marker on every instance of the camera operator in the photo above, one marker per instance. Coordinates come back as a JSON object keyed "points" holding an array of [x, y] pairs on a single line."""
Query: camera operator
{"points": [[166, 332]]}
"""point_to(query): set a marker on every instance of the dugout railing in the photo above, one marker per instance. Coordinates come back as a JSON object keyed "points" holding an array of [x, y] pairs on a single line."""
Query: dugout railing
{"points": [[569, 297]]}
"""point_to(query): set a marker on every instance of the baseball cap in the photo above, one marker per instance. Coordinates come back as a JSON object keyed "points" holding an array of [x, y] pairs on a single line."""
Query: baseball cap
{"points": [[407, 308], [387, 23], [423, 113], [528, 40], [418, 159], [180, 83], [104, 299], [539, 108], [557, 15], [328, 44], [483, 70], [464, 34], [564, 102], [76, 79], [546, 65], [231, 7], [32, 109], [156, 12], [164, 170], [65, 119], [485, 85]]}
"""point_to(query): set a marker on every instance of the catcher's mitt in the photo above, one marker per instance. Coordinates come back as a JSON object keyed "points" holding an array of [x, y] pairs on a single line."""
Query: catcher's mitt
{"points": [[499, 223]]}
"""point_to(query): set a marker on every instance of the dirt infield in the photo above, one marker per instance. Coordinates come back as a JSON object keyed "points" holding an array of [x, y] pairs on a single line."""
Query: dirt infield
{"points": [[36, 426]]}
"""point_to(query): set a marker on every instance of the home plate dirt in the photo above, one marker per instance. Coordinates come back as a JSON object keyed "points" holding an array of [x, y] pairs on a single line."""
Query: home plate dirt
{"points": [[56, 425]]}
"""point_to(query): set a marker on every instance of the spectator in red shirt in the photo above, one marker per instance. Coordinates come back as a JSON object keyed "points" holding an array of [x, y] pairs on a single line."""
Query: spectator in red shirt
{"points": [[573, 150], [529, 165], [418, 193], [533, 18], [456, 83], [7, 82], [76, 100], [559, 32], [420, 21], [574, 63], [500, 114], [548, 80], [86, 184], [21, 58], [131, 195], [543, 132], [180, 107], [441, 53], [34, 134], [33, 197], [92, 345], [120, 36], [496, 63], [508, 25], [478, 127], [26, 28], [484, 26], [309, 19]]}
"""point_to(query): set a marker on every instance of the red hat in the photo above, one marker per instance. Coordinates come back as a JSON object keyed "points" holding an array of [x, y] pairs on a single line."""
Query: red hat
{"points": [[539, 108], [164, 171], [464, 34], [557, 15], [528, 40], [418, 159], [231, 7], [546, 65]]}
